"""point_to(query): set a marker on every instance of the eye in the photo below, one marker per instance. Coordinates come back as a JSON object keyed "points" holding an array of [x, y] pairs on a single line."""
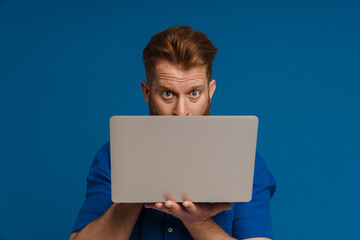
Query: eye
{"points": [[195, 93], [167, 94]]}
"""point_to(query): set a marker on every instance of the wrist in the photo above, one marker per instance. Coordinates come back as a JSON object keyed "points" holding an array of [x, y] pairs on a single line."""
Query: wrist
{"points": [[199, 223], [126, 211]]}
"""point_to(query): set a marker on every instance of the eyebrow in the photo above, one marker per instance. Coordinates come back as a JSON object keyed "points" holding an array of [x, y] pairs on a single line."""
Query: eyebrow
{"points": [[166, 86], [171, 89]]}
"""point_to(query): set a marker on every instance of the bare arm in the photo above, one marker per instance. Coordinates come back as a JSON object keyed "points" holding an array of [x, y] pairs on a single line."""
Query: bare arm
{"points": [[116, 223], [206, 230], [210, 230]]}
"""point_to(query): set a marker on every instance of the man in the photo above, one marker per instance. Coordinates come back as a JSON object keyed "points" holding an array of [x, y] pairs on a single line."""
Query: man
{"points": [[178, 65]]}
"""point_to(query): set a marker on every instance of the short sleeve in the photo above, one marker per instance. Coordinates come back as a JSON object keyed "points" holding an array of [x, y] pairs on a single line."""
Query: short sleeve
{"points": [[252, 219], [98, 191]]}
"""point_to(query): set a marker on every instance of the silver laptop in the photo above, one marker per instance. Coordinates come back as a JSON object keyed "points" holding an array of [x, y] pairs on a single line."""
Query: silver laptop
{"points": [[202, 158]]}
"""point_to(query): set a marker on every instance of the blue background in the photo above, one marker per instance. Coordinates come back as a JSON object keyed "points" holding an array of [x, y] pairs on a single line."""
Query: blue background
{"points": [[67, 66]]}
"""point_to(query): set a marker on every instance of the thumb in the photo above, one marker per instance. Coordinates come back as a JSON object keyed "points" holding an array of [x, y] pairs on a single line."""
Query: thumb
{"points": [[218, 207]]}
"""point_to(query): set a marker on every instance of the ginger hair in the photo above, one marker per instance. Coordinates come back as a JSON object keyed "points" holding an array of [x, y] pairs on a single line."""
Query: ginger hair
{"points": [[179, 45]]}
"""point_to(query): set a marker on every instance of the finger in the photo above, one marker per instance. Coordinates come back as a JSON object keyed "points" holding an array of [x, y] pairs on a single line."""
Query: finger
{"points": [[190, 206], [158, 206], [174, 207], [186, 197], [154, 205], [149, 205], [170, 197], [218, 207], [224, 206]]}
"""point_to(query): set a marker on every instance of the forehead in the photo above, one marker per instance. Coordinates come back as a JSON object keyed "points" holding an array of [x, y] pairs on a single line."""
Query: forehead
{"points": [[167, 73]]}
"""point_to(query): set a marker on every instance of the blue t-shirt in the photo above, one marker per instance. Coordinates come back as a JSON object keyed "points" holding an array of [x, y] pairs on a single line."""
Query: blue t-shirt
{"points": [[244, 220]]}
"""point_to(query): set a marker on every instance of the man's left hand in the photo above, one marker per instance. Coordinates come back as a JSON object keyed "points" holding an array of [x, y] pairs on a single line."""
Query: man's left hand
{"points": [[189, 212]]}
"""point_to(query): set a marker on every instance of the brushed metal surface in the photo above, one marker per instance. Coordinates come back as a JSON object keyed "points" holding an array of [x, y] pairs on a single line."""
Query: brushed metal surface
{"points": [[207, 158]]}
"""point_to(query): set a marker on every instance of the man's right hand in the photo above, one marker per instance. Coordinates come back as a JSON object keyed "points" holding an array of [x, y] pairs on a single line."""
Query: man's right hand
{"points": [[116, 223]]}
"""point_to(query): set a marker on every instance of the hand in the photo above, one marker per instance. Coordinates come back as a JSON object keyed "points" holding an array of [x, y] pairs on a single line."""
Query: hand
{"points": [[189, 212]]}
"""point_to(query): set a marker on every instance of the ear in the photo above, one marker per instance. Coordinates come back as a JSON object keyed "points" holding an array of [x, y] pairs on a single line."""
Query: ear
{"points": [[212, 87], [145, 90]]}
